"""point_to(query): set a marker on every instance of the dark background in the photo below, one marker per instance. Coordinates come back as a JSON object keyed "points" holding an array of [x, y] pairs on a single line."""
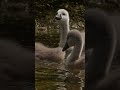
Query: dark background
{"points": [[17, 21]]}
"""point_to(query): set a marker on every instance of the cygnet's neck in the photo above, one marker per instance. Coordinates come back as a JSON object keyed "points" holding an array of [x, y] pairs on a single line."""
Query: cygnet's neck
{"points": [[76, 53], [64, 29]]}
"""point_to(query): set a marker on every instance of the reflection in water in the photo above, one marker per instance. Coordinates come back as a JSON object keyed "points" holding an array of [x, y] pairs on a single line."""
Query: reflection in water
{"points": [[54, 76]]}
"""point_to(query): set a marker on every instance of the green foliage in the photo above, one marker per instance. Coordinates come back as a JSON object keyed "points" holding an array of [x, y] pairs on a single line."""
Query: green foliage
{"points": [[45, 11]]}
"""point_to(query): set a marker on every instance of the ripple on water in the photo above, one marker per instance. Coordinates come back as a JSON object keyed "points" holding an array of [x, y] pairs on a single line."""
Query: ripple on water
{"points": [[54, 76]]}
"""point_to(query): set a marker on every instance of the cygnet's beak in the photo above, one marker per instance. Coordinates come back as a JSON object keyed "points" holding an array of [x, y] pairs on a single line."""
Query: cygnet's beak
{"points": [[65, 47], [58, 17]]}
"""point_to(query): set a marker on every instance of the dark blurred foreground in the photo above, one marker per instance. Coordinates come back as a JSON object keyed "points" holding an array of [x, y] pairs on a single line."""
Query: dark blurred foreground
{"points": [[16, 45]]}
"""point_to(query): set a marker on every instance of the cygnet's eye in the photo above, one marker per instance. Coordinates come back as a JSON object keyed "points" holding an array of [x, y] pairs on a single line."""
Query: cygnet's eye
{"points": [[63, 13]]}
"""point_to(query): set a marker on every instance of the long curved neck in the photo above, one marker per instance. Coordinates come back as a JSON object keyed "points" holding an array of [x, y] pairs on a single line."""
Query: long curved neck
{"points": [[76, 53], [64, 29]]}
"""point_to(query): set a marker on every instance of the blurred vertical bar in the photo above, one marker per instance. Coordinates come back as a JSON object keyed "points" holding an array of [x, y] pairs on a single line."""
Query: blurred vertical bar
{"points": [[17, 24], [17, 21]]}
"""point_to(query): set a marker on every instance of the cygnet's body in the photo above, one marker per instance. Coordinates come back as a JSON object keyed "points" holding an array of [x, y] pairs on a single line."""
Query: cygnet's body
{"points": [[45, 53], [75, 39], [55, 54]]}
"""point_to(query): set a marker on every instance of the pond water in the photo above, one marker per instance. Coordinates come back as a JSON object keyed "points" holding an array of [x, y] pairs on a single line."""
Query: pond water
{"points": [[51, 75], [54, 76]]}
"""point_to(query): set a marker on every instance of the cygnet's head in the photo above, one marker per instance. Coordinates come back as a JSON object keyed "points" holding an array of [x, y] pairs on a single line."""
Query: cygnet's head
{"points": [[73, 38], [62, 16]]}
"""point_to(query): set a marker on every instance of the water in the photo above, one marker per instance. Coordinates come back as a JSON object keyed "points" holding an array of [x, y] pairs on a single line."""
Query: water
{"points": [[54, 76], [50, 75]]}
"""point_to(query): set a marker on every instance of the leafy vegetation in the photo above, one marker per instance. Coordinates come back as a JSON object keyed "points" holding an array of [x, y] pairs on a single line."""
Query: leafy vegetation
{"points": [[45, 11]]}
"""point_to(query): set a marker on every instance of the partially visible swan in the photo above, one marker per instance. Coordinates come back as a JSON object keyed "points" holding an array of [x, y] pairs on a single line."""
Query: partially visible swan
{"points": [[16, 62], [55, 54], [75, 39], [102, 35]]}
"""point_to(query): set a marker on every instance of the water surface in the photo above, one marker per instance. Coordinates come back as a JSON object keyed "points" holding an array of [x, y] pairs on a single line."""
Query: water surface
{"points": [[54, 76]]}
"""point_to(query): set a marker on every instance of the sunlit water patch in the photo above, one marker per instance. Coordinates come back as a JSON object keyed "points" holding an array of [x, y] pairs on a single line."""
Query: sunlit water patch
{"points": [[54, 76]]}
